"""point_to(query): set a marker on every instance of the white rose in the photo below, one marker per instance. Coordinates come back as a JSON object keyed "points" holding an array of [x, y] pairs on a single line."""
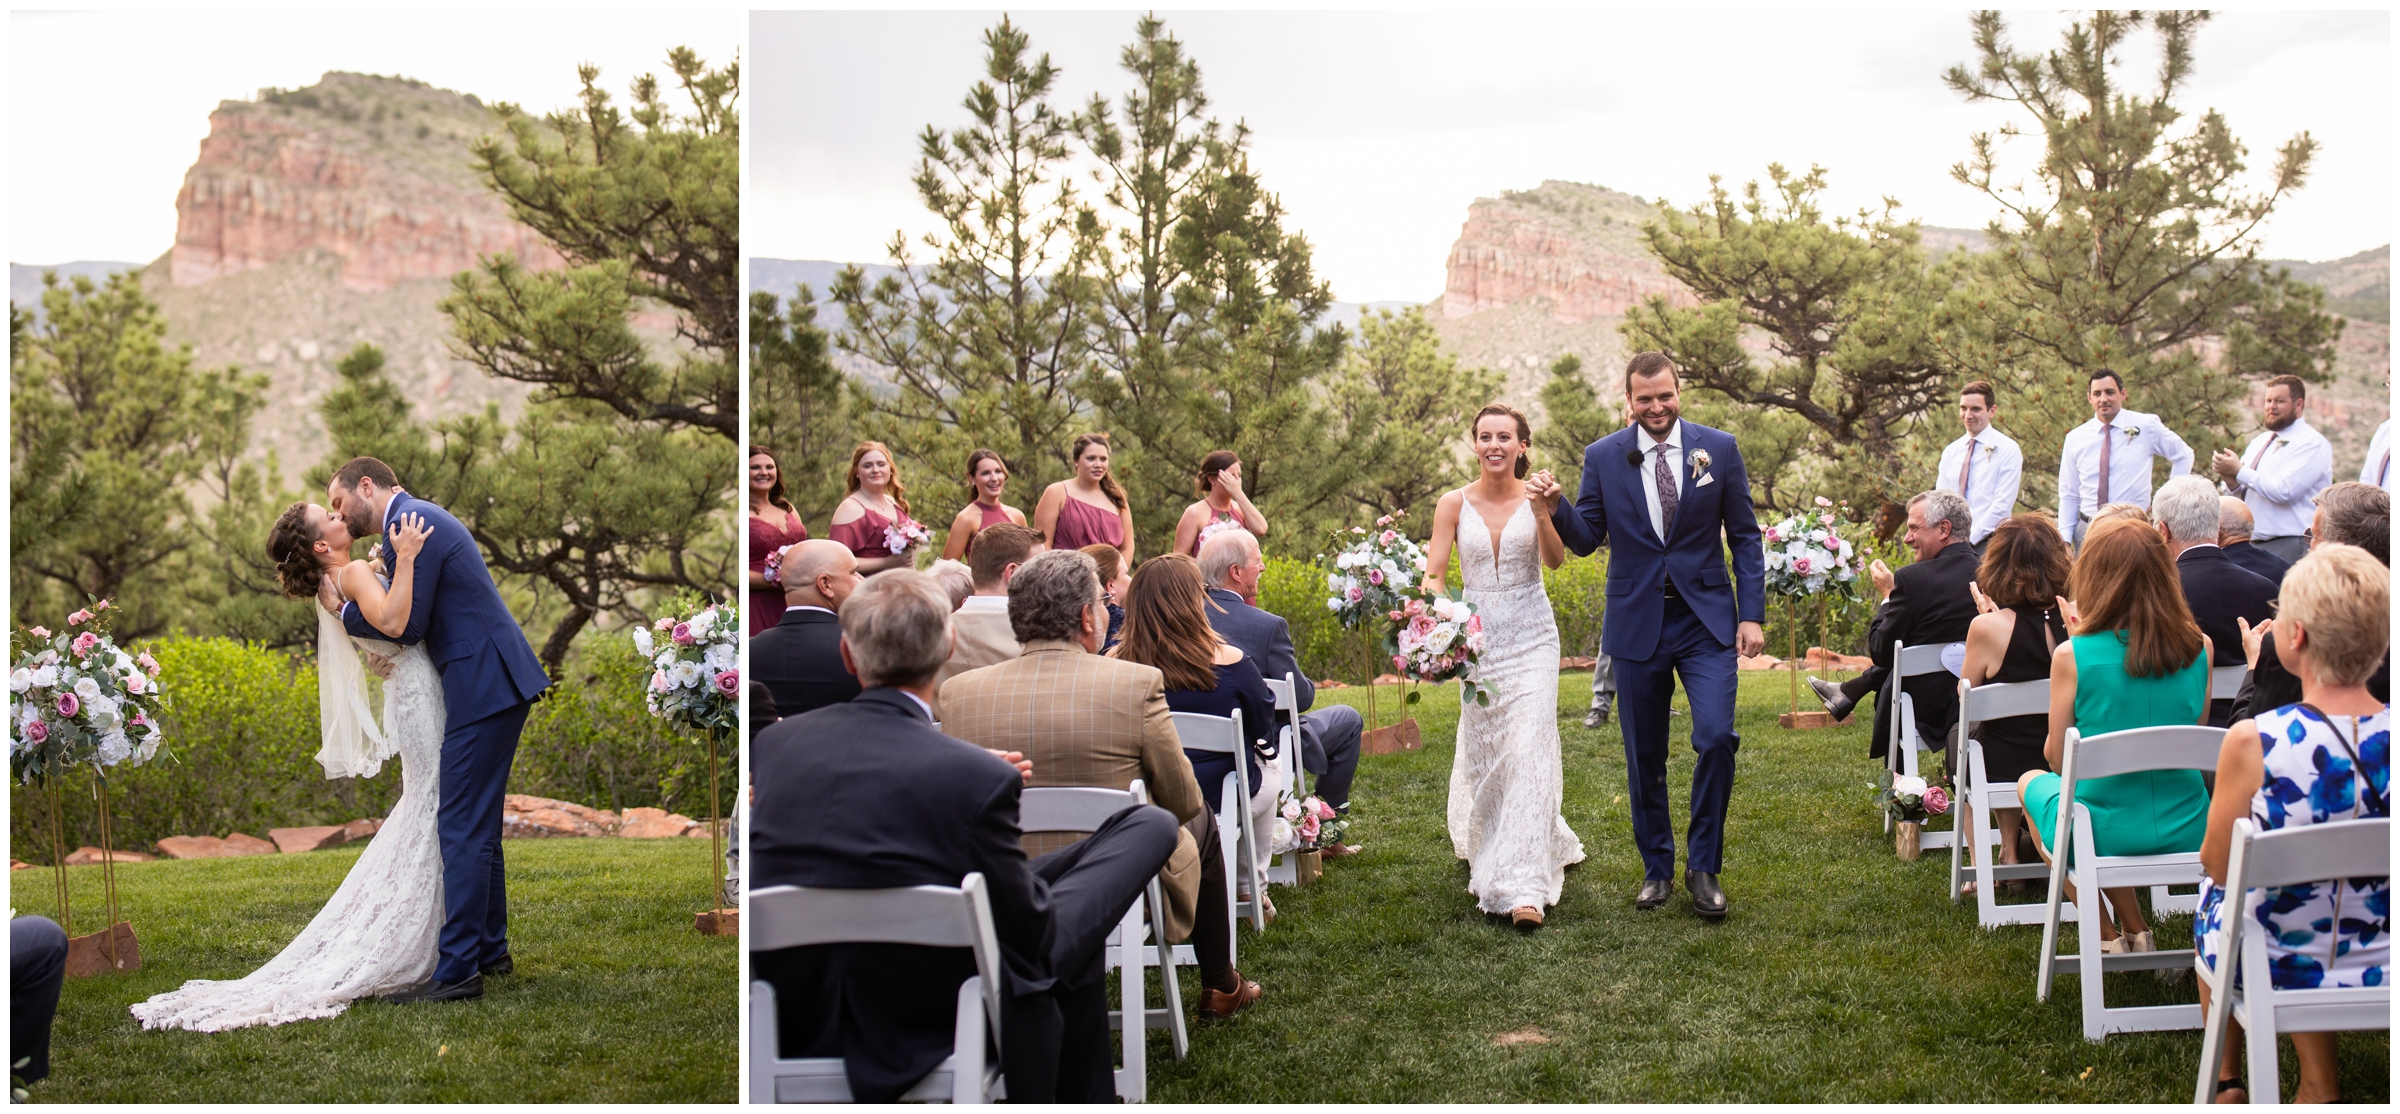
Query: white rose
{"points": [[1908, 786], [641, 641], [115, 748], [88, 689], [1333, 582], [20, 680], [722, 658]]}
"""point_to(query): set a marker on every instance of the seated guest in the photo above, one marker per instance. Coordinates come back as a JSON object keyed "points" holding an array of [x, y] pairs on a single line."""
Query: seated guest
{"points": [[2233, 536], [2136, 660], [957, 581], [984, 637], [1166, 625], [37, 968], [1084, 719], [1113, 583], [799, 659], [2134, 511], [2347, 514], [1927, 603], [2024, 572], [869, 795], [762, 709], [2221, 594], [2331, 749], [1231, 565]]}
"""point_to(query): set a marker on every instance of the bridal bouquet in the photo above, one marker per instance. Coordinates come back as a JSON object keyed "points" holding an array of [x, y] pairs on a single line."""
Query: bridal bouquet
{"points": [[1806, 554], [906, 534], [695, 678], [76, 699], [1910, 799], [1373, 576], [1438, 639]]}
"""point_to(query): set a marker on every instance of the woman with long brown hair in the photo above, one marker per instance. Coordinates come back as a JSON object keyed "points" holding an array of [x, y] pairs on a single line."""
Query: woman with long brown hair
{"points": [[987, 477], [1222, 502], [1166, 627], [874, 511], [774, 524], [1088, 506], [2135, 659], [2024, 571]]}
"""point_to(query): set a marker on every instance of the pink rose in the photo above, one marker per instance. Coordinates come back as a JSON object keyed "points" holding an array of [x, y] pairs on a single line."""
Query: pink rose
{"points": [[103, 605], [1397, 616], [1801, 565], [1773, 535], [1936, 801], [1384, 521], [658, 682], [1823, 501], [1389, 537], [1375, 576], [68, 705], [149, 664], [1415, 608], [1420, 625], [1324, 811], [1308, 827], [1826, 518], [38, 731], [133, 684], [683, 634], [729, 683], [1399, 662], [1357, 595], [664, 624], [79, 618], [84, 643], [1474, 624], [41, 632]]}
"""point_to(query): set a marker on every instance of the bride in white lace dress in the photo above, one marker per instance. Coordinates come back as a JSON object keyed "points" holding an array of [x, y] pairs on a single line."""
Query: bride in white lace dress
{"points": [[1506, 780], [377, 934]]}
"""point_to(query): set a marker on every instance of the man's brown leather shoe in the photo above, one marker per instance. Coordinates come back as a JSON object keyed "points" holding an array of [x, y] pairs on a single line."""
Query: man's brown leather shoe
{"points": [[1338, 850], [1217, 1005]]}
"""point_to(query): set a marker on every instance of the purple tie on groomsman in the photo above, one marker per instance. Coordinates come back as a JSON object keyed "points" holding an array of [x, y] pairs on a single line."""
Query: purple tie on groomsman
{"points": [[1666, 495], [2105, 441], [1967, 469]]}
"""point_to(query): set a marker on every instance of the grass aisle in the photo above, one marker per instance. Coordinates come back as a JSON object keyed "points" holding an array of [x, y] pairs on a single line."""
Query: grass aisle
{"points": [[1842, 975], [615, 998]]}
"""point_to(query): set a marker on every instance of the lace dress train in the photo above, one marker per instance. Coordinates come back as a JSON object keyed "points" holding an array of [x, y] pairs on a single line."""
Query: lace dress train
{"points": [[378, 933], [1507, 778]]}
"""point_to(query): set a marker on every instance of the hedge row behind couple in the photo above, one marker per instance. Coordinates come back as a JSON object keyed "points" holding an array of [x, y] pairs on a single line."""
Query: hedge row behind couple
{"points": [[422, 915], [1667, 496]]}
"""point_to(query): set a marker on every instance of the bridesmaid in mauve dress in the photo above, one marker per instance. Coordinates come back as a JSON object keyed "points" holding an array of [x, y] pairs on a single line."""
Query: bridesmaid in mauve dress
{"points": [[1088, 507], [1221, 500], [774, 524], [987, 477], [877, 501]]}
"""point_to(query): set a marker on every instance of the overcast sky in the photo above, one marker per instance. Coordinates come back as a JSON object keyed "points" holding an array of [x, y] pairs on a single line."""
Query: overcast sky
{"points": [[1378, 129], [107, 110]]}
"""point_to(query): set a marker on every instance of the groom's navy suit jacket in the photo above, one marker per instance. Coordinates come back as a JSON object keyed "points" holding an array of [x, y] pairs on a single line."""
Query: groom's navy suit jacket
{"points": [[456, 612], [1693, 556]]}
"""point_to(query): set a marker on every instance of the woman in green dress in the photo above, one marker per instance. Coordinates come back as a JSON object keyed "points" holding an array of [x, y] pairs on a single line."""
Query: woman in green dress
{"points": [[2136, 659]]}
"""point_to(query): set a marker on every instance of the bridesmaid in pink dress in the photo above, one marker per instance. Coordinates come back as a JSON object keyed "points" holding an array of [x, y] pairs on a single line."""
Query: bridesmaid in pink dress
{"points": [[1221, 500], [987, 476], [1088, 507], [774, 524], [876, 501]]}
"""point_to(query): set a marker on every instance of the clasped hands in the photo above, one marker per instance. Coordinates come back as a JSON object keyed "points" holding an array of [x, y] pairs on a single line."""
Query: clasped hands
{"points": [[1749, 640]]}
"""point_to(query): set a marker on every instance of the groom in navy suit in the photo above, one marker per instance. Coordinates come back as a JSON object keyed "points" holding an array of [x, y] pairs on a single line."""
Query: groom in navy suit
{"points": [[490, 678], [1676, 494]]}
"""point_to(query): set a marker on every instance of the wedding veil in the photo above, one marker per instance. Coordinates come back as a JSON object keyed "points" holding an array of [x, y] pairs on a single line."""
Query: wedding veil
{"points": [[354, 746]]}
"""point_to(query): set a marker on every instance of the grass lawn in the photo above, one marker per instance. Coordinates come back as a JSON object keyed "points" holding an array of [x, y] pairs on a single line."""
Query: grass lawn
{"points": [[615, 998], [1842, 974]]}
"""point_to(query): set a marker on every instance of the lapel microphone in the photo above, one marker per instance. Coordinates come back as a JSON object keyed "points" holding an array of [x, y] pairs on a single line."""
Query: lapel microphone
{"points": [[1633, 457]]}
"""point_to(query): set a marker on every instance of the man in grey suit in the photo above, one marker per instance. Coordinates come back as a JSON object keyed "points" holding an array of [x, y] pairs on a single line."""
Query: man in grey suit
{"points": [[1230, 565]]}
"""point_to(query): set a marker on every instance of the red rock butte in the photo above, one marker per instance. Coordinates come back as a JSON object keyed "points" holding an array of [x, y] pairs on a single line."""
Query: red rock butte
{"points": [[371, 170], [1574, 245]]}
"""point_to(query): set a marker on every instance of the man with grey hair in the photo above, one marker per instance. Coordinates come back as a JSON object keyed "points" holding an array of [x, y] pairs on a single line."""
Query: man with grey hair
{"points": [[2222, 595], [2233, 536], [1926, 601], [1230, 566], [2348, 513], [869, 794]]}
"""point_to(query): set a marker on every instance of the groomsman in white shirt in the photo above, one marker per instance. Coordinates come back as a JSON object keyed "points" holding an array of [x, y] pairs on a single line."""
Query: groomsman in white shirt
{"points": [[2279, 475], [2107, 460], [2378, 468], [1985, 467]]}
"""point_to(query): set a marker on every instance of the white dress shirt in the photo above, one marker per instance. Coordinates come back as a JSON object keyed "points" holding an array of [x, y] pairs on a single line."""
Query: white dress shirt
{"points": [[2378, 468], [806, 607], [2293, 465], [1998, 475], [1674, 444], [2137, 438]]}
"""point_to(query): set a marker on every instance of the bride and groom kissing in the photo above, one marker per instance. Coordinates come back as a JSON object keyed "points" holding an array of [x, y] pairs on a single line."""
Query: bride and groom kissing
{"points": [[422, 916], [1668, 497]]}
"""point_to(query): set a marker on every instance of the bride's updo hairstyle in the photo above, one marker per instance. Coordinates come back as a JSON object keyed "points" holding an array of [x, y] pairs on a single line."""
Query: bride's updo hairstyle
{"points": [[291, 544], [1524, 432]]}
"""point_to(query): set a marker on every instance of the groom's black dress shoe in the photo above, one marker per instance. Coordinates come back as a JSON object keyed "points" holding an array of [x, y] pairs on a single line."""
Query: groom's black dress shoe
{"points": [[1708, 898], [1830, 695], [506, 966], [438, 991], [1654, 893]]}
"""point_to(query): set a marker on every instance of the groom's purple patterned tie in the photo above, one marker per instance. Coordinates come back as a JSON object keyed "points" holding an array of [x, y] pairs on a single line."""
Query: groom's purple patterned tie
{"points": [[1666, 495]]}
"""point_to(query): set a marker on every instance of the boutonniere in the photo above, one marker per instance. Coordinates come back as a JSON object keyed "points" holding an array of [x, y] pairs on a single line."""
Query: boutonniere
{"points": [[1700, 469], [1990, 449], [2132, 431]]}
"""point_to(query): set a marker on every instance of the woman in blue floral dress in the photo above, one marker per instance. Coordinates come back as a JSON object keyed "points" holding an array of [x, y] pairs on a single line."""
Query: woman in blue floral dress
{"points": [[2324, 760]]}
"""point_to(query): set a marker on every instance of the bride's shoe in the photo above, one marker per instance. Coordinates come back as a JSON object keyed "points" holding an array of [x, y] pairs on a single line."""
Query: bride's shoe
{"points": [[1525, 918]]}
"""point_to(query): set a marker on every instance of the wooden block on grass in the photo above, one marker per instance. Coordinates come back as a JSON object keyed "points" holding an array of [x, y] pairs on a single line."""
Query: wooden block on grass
{"points": [[719, 922], [103, 952]]}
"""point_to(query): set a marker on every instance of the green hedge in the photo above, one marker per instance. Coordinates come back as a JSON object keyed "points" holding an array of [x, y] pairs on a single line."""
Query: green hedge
{"points": [[242, 740]]}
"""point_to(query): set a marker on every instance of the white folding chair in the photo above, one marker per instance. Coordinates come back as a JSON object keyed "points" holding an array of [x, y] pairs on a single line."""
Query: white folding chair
{"points": [[2225, 681], [1235, 839], [927, 916], [1083, 809], [1901, 749], [1980, 795], [2262, 860], [1281, 870], [2191, 747]]}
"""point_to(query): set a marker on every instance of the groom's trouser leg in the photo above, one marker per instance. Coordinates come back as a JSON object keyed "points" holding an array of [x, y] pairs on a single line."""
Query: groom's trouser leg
{"points": [[475, 762], [1711, 680], [1645, 690]]}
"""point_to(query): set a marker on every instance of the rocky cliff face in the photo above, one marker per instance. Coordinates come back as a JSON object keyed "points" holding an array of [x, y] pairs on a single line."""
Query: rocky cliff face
{"points": [[1576, 247], [372, 171]]}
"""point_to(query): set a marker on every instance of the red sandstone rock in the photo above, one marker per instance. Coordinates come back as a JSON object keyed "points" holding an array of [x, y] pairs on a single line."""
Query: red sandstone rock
{"points": [[357, 830], [1577, 665], [1575, 245], [15, 865], [86, 856], [1762, 661], [527, 817], [1821, 658], [210, 847], [240, 844], [656, 823], [292, 841]]}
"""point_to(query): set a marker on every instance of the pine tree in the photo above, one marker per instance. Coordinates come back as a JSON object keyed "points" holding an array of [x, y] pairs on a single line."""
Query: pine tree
{"points": [[799, 404], [1403, 405]]}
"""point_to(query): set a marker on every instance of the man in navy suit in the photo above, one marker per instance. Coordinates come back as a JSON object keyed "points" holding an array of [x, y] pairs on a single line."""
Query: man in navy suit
{"points": [[799, 659], [490, 678], [2233, 537], [1668, 496]]}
